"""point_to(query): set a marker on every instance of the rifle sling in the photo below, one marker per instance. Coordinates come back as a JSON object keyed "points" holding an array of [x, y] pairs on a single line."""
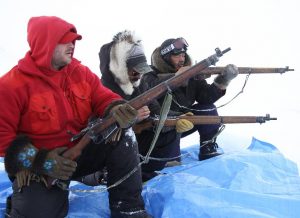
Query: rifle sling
{"points": [[163, 116]]}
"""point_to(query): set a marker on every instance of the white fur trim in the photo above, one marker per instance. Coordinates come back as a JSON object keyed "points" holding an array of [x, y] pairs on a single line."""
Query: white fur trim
{"points": [[118, 57]]}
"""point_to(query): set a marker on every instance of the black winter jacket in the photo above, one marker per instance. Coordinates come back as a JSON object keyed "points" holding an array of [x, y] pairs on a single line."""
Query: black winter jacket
{"points": [[196, 91], [109, 81]]}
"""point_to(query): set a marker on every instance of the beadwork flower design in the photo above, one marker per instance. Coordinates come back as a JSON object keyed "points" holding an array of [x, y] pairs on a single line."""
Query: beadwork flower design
{"points": [[25, 157], [49, 165]]}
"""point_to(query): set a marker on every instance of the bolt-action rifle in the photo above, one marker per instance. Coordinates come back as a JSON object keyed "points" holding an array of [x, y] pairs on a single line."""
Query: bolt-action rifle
{"points": [[246, 70], [196, 120]]}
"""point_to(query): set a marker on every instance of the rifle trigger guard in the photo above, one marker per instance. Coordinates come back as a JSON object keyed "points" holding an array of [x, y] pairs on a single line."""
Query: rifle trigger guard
{"points": [[104, 135], [90, 125]]}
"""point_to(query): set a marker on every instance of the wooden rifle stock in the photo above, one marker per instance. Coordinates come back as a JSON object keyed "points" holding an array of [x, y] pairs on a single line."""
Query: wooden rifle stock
{"points": [[246, 70], [196, 120]]}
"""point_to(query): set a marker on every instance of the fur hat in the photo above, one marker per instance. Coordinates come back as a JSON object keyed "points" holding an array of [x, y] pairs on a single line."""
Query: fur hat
{"points": [[127, 52]]}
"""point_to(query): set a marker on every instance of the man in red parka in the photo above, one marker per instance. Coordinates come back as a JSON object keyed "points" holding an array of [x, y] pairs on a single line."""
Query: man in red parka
{"points": [[45, 99]]}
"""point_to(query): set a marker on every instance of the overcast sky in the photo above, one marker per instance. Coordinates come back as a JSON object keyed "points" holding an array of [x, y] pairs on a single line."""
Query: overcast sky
{"points": [[261, 33]]}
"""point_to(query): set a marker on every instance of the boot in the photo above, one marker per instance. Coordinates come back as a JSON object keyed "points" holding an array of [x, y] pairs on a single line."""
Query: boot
{"points": [[208, 150], [131, 214], [95, 179]]}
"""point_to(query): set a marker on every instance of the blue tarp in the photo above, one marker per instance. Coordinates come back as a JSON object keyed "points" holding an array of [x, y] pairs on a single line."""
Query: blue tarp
{"points": [[255, 182]]}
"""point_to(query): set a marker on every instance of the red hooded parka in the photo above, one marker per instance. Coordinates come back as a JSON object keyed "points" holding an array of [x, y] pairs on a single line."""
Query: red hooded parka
{"points": [[45, 104]]}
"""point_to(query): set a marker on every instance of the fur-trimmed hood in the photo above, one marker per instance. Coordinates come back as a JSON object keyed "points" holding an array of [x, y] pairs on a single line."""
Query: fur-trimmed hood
{"points": [[113, 60], [162, 66]]}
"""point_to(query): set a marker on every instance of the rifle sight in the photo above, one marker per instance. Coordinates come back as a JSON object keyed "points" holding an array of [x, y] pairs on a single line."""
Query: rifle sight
{"points": [[288, 69], [266, 118], [220, 53]]}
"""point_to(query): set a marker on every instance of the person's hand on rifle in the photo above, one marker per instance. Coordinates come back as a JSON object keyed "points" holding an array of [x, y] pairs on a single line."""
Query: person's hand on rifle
{"points": [[229, 73], [126, 116], [184, 125], [180, 71], [143, 113], [53, 164]]}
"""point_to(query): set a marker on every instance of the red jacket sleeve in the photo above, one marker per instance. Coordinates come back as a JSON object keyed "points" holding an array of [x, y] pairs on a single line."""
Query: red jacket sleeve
{"points": [[9, 116]]}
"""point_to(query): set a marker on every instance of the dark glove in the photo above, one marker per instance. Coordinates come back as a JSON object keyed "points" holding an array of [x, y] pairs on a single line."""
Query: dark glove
{"points": [[125, 115], [229, 73], [21, 156], [52, 164]]}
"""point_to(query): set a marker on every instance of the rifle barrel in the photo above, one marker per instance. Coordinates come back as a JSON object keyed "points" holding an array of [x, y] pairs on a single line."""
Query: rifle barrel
{"points": [[196, 120], [220, 119], [247, 70]]}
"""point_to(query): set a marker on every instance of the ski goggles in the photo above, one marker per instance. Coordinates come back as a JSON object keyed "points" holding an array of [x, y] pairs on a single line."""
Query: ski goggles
{"points": [[178, 46]]}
